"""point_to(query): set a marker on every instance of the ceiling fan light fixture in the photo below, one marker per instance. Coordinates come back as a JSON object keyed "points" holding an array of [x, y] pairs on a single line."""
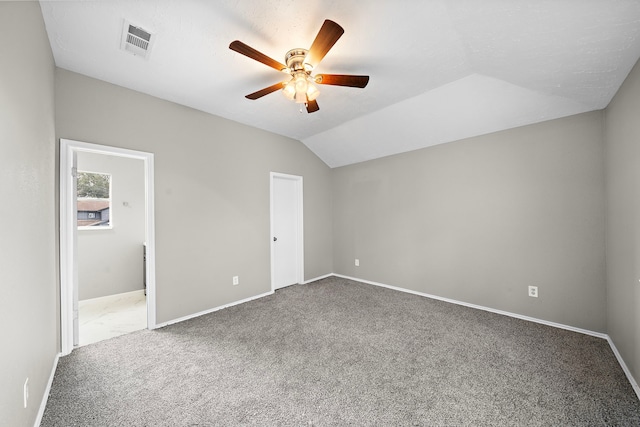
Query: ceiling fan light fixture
{"points": [[301, 83], [301, 97], [300, 89], [289, 90], [312, 92]]}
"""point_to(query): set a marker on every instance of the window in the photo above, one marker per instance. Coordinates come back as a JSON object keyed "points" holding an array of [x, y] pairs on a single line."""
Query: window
{"points": [[94, 200]]}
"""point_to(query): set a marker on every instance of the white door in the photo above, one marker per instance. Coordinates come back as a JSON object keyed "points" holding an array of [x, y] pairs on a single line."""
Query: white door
{"points": [[286, 230]]}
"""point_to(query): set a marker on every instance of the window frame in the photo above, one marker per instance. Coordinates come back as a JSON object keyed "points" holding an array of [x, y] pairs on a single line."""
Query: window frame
{"points": [[110, 200]]}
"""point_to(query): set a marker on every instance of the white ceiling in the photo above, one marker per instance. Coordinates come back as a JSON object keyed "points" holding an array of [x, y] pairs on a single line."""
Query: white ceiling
{"points": [[441, 70]]}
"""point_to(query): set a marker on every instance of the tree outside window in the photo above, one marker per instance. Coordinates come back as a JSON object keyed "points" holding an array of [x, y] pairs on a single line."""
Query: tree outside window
{"points": [[94, 200]]}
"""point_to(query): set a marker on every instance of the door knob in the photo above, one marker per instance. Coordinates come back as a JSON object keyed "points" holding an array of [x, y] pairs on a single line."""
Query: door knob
{"points": [[275, 239]]}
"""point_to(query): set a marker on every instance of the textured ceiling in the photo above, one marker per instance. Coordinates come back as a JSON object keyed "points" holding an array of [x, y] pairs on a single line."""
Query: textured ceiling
{"points": [[441, 70]]}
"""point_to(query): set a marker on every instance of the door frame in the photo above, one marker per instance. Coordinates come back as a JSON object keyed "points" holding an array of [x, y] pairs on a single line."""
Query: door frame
{"points": [[69, 231], [299, 195]]}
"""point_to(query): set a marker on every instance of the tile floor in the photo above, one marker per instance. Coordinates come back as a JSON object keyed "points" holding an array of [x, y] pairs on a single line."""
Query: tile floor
{"points": [[111, 316]]}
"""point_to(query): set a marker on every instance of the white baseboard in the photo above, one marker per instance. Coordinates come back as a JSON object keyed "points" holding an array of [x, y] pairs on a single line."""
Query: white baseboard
{"points": [[623, 365], [137, 291], [202, 313], [47, 390], [480, 307], [317, 278]]}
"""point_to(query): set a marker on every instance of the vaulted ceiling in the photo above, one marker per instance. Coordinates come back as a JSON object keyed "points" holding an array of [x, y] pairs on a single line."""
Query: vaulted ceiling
{"points": [[441, 70]]}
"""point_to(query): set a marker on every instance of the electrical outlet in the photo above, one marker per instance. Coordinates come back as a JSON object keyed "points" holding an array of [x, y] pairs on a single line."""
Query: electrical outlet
{"points": [[235, 280], [357, 262], [25, 392], [533, 291]]}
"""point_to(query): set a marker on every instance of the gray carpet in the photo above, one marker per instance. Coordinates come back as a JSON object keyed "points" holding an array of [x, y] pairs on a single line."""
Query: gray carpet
{"points": [[337, 352]]}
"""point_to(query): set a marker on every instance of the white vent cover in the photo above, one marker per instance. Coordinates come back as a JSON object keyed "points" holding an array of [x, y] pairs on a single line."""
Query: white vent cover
{"points": [[136, 40]]}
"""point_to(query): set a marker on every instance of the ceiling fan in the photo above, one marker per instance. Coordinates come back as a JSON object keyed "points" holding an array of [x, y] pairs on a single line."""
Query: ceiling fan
{"points": [[301, 87]]}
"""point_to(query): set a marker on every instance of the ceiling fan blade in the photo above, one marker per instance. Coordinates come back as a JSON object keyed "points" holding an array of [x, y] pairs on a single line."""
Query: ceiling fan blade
{"points": [[265, 91], [342, 80], [246, 50], [312, 106], [328, 35]]}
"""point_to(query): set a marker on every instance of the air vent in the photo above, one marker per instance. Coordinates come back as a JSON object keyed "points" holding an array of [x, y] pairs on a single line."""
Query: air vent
{"points": [[136, 40]]}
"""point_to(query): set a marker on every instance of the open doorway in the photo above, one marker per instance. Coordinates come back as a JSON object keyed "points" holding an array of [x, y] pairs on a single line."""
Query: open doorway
{"points": [[107, 249], [111, 234]]}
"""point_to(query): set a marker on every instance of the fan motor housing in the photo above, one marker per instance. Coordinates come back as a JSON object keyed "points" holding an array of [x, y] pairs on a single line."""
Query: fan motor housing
{"points": [[295, 60]]}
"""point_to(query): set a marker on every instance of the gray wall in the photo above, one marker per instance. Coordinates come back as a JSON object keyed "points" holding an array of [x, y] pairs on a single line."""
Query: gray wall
{"points": [[480, 220], [27, 212], [110, 260], [623, 220], [203, 164]]}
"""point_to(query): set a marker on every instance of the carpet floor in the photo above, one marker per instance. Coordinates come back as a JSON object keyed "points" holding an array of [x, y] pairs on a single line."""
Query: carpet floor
{"points": [[336, 353]]}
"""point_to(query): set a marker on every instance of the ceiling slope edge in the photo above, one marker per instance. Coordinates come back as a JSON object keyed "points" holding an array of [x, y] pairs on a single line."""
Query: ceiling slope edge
{"points": [[455, 111]]}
